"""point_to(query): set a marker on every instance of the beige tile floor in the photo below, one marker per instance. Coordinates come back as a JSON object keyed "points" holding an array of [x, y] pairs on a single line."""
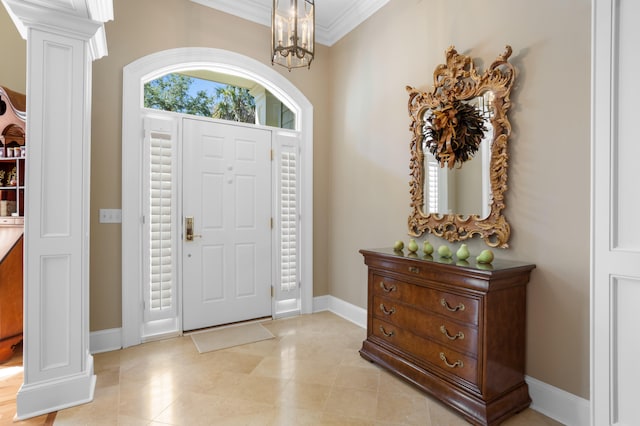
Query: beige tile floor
{"points": [[310, 374]]}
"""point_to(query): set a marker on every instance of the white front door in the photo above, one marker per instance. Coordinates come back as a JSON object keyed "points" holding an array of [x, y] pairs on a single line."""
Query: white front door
{"points": [[227, 196]]}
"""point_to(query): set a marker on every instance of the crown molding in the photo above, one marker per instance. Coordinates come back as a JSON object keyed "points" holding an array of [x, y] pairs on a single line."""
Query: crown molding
{"points": [[345, 22], [100, 10], [327, 33]]}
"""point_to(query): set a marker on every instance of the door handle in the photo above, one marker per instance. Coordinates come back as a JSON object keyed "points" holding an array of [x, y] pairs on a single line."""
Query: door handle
{"points": [[188, 224]]}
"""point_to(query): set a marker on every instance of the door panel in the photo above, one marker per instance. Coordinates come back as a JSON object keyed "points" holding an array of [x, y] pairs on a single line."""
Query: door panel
{"points": [[227, 191], [615, 254]]}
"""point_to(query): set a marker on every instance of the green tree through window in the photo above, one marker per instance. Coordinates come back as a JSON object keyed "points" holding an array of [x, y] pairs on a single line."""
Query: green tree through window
{"points": [[173, 92], [234, 103]]}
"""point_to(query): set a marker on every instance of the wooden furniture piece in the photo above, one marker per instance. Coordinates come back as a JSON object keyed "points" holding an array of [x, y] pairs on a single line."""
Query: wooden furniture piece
{"points": [[454, 329], [12, 168], [11, 265], [12, 156]]}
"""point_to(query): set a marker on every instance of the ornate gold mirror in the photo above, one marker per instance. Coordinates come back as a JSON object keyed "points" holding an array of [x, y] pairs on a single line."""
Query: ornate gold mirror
{"points": [[459, 157]]}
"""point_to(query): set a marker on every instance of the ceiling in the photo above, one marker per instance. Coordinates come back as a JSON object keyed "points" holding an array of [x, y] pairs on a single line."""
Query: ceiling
{"points": [[334, 18]]}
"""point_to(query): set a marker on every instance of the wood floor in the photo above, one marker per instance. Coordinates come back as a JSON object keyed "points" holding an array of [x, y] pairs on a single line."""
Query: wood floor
{"points": [[310, 374], [10, 382]]}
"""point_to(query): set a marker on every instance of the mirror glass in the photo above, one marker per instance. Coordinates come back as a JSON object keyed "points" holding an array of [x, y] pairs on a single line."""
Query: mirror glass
{"points": [[460, 133], [464, 189]]}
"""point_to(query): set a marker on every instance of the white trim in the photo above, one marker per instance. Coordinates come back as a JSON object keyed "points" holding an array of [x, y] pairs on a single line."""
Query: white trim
{"points": [[560, 405], [217, 60], [344, 23], [321, 303], [251, 10], [105, 340], [328, 31], [346, 310], [54, 395], [100, 10], [52, 16]]}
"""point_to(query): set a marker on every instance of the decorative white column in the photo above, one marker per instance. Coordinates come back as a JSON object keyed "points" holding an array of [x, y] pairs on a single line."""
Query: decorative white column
{"points": [[62, 42]]}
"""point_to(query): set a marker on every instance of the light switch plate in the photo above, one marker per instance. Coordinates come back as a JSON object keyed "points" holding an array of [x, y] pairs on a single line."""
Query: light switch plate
{"points": [[110, 216]]}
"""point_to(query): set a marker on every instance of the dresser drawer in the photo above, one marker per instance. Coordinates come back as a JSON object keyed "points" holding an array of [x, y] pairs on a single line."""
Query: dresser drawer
{"points": [[455, 306], [445, 359], [461, 337]]}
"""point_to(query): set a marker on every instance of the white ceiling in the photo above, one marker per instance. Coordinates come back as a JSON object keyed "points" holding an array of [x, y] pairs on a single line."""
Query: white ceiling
{"points": [[334, 18]]}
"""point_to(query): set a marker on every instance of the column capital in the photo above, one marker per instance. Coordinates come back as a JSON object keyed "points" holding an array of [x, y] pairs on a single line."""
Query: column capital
{"points": [[83, 20]]}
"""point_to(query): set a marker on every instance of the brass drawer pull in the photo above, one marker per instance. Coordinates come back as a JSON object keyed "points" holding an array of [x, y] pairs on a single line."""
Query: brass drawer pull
{"points": [[414, 269], [458, 363], [383, 331], [387, 311], [444, 331], [444, 303], [387, 289]]}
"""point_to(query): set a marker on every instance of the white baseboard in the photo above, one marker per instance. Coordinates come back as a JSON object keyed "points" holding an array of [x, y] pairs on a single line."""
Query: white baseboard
{"points": [[346, 310], [560, 405], [105, 340], [321, 303]]}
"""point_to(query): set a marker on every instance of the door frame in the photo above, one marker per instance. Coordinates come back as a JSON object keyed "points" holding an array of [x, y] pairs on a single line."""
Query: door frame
{"points": [[217, 60]]}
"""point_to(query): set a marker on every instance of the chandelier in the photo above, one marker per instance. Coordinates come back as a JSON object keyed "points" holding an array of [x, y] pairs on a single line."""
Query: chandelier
{"points": [[293, 33]]}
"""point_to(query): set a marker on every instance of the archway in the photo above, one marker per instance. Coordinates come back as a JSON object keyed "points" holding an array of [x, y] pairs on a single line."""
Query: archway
{"points": [[217, 60]]}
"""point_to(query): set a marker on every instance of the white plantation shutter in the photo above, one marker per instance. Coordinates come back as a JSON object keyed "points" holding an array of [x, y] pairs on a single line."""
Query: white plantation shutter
{"points": [[160, 221], [432, 184], [288, 212], [436, 185]]}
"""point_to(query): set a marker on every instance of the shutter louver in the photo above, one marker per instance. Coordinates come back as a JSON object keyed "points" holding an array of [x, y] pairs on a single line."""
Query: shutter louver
{"points": [[288, 221], [160, 220], [432, 184]]}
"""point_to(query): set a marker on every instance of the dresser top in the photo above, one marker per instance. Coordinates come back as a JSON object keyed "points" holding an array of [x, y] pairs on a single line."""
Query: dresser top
{"points": [[470, 264]]}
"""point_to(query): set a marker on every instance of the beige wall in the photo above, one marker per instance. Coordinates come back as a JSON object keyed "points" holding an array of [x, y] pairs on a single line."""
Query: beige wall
{"points": [[361, 139], [548, 193], [143, 27], [13, 68]]}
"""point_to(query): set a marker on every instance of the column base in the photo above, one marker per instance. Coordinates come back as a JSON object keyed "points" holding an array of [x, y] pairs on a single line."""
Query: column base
{"points": [[36, 399]]}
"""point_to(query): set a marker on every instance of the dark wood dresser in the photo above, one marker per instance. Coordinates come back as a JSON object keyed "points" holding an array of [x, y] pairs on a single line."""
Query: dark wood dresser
{"points": [[454, 329]]}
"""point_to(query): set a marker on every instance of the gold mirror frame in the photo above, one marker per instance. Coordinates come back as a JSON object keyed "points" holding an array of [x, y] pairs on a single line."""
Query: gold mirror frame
{"points": [[458, 80]]}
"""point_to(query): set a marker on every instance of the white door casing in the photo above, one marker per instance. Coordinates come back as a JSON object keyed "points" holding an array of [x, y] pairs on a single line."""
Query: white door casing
{"points": [[226, 264], [615, 207], [174, 60]]}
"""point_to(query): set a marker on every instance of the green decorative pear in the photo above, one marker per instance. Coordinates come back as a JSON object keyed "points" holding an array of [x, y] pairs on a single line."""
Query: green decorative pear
{"points": [[445, 251], [398, 245], [485, 256], [427, 248], [463, 252], [412, 246]]}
